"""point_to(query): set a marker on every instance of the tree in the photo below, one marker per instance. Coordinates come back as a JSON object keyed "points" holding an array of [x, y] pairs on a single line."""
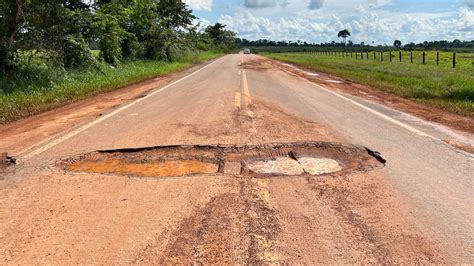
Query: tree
{"points": [[63, 33], [397, 43], [221, 37], [344, 34], [9, 24]]}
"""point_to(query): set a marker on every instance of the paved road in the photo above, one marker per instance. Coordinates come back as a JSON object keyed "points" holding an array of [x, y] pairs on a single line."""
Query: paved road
{"points": [[418, 208]]}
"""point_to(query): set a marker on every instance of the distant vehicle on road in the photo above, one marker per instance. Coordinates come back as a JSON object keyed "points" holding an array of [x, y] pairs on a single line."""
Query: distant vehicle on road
{"points": [[247, 51]]}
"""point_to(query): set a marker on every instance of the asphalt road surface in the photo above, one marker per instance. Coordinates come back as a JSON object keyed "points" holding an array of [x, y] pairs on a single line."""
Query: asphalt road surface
{"points": [[418, 208]]}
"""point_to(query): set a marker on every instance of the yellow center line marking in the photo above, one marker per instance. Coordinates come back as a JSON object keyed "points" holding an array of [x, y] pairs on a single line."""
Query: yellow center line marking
{"points": [[238, 97], [245, 84]]}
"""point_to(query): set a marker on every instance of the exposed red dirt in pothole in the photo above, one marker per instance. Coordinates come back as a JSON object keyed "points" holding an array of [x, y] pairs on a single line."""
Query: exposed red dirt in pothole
{"points": [[158, 169], [278, 159]]}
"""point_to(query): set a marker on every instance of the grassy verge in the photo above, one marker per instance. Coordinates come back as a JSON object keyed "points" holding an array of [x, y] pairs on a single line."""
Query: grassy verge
{"points": [[24, 96], [445, 88]]}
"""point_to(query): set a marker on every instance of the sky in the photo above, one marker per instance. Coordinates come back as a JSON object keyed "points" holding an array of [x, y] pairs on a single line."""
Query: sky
{"points": [[375, 22]]}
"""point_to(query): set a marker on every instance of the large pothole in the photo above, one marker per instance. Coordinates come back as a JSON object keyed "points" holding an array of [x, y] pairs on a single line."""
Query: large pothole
{"points": [[278, 159]]}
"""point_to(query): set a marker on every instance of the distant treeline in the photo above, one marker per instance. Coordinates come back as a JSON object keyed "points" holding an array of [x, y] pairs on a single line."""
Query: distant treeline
{"points": [[263, 44]]}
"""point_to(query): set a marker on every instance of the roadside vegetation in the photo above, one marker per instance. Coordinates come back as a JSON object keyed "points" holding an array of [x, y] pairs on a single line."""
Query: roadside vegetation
{"points": [[57, 52], [445, 88]]}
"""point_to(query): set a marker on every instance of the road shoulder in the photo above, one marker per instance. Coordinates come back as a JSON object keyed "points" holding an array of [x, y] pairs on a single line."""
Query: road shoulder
{"points": [[20, 136]]}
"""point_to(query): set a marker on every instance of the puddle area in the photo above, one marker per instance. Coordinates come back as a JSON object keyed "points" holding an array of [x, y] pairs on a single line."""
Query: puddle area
{"points": [[277, 159]]}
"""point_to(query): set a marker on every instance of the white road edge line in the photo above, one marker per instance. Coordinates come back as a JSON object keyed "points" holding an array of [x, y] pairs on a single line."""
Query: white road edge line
{"points": [[46, 145], [392, 120]]}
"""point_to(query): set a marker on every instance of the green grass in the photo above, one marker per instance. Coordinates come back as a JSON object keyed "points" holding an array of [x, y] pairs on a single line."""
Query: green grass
{"points": [[30, 93], [442, 87], [463, 60]]}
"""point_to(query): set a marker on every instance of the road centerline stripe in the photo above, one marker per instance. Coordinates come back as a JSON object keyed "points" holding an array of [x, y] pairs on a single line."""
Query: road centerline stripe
{"points": [[238, 97], [245, 85]]}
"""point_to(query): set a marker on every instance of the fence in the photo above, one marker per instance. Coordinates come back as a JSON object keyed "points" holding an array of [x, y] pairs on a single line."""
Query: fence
{"points": [[392, 55]]}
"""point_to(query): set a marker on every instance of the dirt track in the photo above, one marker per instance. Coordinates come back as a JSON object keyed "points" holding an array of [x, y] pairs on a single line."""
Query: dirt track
{"points": [[405, 212]]}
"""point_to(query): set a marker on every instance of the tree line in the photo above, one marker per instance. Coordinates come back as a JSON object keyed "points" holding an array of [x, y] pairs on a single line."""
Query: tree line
{"points": [[428, 45], [66, 32]]}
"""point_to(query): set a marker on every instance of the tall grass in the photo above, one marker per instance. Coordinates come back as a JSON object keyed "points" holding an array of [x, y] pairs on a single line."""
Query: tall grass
{"points": [[36, 89], [444, 88]]}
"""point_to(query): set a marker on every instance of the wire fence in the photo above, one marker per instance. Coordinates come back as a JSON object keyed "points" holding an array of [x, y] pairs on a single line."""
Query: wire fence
{"points": [[452, 59]]}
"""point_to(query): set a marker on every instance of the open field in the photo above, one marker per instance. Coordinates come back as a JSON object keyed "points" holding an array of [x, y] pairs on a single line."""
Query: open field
{"points": [[441, 87], [463, 60], [27, 96], [464, 57]]}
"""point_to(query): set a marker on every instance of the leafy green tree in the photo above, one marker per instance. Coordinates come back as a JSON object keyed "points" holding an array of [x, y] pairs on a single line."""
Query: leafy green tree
{"points": [[163, 39], [397, 43], [64, 31], [58, 28], [221, 37], [344, 34], [10, 20]]}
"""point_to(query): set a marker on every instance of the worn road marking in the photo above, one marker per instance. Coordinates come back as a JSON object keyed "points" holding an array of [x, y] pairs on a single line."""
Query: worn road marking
{"points": [[245, 84], [377, 113], [238, 98], [48, 144], [383, 116]]}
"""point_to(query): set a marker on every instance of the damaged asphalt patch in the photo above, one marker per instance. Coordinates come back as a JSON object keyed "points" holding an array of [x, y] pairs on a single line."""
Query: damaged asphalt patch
{"points": [[277, 159]]}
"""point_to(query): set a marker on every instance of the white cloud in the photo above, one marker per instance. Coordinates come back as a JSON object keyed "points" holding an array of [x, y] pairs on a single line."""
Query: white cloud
{"points": [[378, 25], [199, 4]]}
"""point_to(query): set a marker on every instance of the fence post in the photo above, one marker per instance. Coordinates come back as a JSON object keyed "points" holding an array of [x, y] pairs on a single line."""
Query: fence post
{"points": [[411, 56], [375, 58], [390, 54], [400, 55], [381, 56], [454, 59], [437, 58], [424, 58]]}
